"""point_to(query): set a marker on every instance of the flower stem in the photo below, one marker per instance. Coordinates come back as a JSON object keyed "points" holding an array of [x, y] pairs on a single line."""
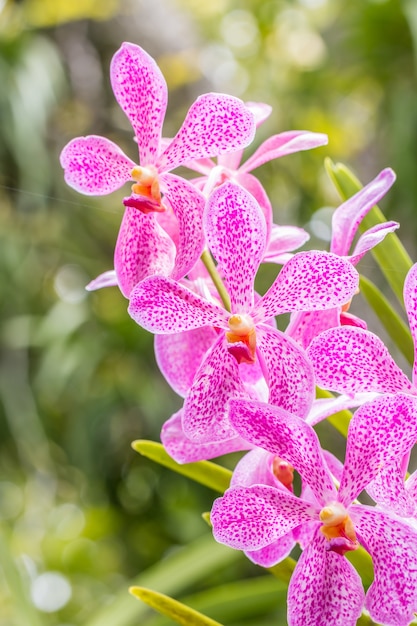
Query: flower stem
{"points": [[215, 277]]}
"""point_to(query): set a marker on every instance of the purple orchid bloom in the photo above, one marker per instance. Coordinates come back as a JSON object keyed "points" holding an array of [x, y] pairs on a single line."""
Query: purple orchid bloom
{"points": [[325, 588], [304, 326], [215, 123], [236, 234]]}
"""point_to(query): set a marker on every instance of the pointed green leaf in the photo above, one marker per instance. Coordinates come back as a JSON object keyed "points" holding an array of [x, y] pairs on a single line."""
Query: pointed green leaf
{"points": [[204, 472], [180, 613], [390, 253], [362, 561], [394, 325]]}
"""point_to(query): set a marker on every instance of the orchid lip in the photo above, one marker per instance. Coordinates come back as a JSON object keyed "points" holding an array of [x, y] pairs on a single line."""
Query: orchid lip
{"points": [[338, 528], [242, 338]]}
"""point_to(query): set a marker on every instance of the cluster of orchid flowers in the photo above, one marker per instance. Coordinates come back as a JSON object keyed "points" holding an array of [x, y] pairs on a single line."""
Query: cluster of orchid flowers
{"points": [[186, 258]]}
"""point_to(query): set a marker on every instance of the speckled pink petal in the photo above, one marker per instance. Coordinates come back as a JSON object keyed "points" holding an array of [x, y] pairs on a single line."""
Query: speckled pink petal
{"points": [[274, 553], [350, 360], [283, 144], [107, 279], [180, 355], [372, 238], [214, 124], [411, 486], [410, 301], [256, 189], [188, 205], [162, 305], [349, 215], [282, 240], [380, 432], [255, 468], [288, 372], [324, 407], [182, 450], [142, 249], [236, 234], [205, 414], [141, 91], [304, 326], [309, 281], [389, 491], [288, 436], [391, 599], [250, 518], [95, 166], [324, 589]]}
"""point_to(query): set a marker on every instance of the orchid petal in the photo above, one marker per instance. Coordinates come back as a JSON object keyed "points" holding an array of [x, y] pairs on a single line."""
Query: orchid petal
{"points": [[162, 305], [350, 214], [305, 325], [261, 111], [283, 144], [107, 279], [411, 486], [389, 491], [284, 239], [324, 588], [180, 355], [214, 124], [309, 281], [410, 301], [256, 189], [274, 553], [250, 518], [391, 599], [142, 249], [205, 416], [380, 432], [289, 374], [372, 238], [349, 360], [254, 468], [140, 89], [188, 205], [325, 407], [182, 450], [95, 166], [278, 431], [236, 234]]}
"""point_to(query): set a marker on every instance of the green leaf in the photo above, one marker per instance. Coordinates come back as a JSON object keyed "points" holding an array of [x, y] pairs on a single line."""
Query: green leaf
{"points": [[283, 570], [397, 329], [209, 474], [179, 571], [390, 253], [339, 420], [180, 613], [362, 561]]}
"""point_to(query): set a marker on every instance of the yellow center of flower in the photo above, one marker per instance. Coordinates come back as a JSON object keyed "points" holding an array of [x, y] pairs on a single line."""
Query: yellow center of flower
{"points": [[147, 183], [283, 471], [242, 330], [337, 523]]}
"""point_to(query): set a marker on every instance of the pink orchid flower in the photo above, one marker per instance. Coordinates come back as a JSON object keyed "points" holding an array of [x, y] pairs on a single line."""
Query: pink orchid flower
{"points": [[304, 326], [235, 231], [94, 165], [325, 588]]}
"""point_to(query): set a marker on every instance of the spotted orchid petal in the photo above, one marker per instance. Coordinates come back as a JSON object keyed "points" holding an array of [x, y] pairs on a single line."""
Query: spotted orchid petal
{"points": [[372, 238], [214, 124], [309, 281], [288, 371], [350, 360], [274, 553], [250, 518], [349, 215], [380, 432], [410, 301], [142, 249], [256, 189], [411, 486], [282, 240], [141, 91], [162, 305], [283, 144], [389, 491], [180, 355], [324, 407], [236, 234], [183, 450], [278, 431], [95, 166], [254, 468], [205, 412], [324, 588], [392, 544], [305, 325], [106, 279], [188, 205]]}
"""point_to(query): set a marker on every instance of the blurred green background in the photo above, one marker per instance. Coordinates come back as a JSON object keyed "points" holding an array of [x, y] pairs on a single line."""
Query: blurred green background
{"points": [[81, 514]]}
